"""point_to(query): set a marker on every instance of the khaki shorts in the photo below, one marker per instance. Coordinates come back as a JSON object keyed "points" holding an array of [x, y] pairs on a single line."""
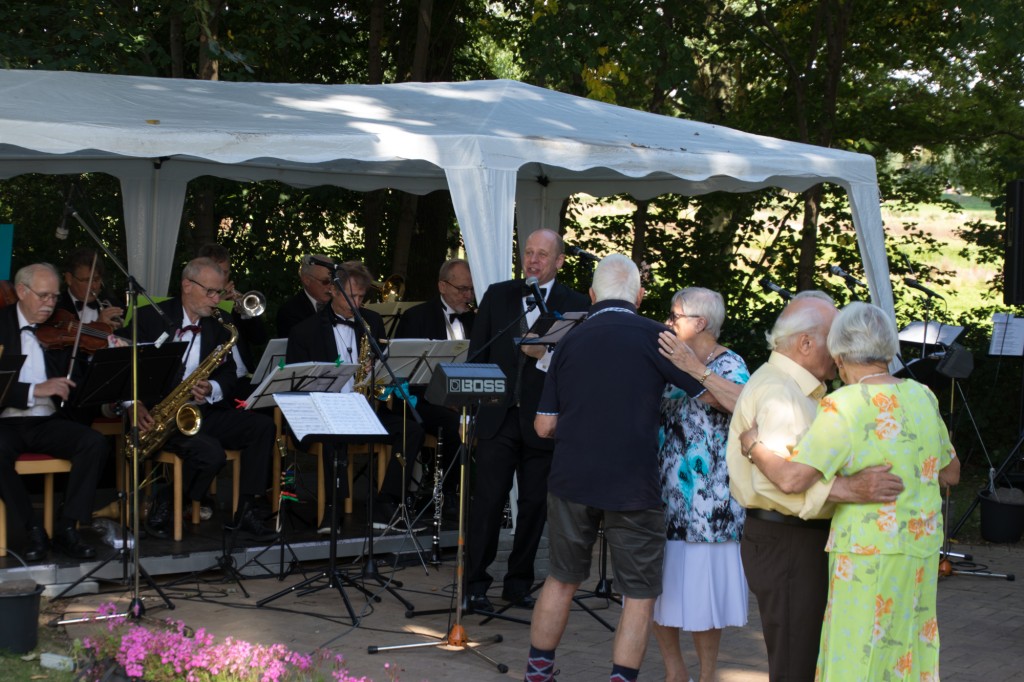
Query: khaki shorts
{"points": [[636, 540]]}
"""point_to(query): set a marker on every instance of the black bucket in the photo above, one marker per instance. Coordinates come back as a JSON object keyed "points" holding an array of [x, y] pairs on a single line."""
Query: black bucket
{"points": [[1001, 521], [19, 627]]}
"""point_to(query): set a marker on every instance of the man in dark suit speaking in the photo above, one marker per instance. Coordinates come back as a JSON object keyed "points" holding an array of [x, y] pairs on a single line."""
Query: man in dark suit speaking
{"points": [[445, 317], [508, 444]]}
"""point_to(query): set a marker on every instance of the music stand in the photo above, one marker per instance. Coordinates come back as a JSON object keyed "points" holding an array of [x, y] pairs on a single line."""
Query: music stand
{"points": [[108, 380], [391, 312], [300, 377], [452, 386], [273, 356], [339, 419]]}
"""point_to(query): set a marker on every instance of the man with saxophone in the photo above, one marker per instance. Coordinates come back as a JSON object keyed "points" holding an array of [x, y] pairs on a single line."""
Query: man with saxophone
{"points": [[333, 335], [446, 317], [192, 315]]}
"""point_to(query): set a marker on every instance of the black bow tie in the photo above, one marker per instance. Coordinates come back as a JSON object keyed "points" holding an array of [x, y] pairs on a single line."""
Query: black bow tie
{"points": [[95, 305], [527, 291], [194, 328], [29, 328], [461, 317], [342, 320]]}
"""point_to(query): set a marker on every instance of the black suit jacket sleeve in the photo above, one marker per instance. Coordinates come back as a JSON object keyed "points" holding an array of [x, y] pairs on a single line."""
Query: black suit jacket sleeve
{"points": [[312, 340], [56, 360], [294, 310]]}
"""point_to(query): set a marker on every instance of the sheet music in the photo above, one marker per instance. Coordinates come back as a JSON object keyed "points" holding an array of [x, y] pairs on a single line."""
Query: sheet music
{"points": [[938, 333], [273, 356], [340, 414], [414, 360], [1007, 335]]}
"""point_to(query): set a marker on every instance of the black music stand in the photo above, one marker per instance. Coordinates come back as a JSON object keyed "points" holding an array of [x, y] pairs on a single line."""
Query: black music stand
{"points": [[108, 380], [317, 417], [452, 386]]}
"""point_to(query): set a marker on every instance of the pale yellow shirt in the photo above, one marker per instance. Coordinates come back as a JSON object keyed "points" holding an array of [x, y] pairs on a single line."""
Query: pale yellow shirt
{"points": [[782, 397]]}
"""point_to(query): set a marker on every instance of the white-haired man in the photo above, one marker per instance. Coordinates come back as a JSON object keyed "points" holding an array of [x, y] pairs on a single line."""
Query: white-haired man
{"points": [[605, 465], [783, 544]]}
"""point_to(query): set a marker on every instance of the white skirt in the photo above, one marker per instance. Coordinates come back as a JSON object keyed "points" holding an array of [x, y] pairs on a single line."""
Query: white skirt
{"points": [[703, 587]]}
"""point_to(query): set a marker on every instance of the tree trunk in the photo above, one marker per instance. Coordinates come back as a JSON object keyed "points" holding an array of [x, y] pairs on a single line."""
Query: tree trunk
{"points": [[640, 222]]}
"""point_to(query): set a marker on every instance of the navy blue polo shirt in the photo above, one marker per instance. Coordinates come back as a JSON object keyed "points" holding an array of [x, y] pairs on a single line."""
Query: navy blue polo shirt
{"points": [[605, 385]]}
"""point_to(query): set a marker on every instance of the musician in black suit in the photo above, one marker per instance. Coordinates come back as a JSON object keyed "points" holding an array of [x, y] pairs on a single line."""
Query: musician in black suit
{"points": [[191, 321], [334, 335], [314, 297], [445, 317], [31, 423], [82, 299], [507, 442]]}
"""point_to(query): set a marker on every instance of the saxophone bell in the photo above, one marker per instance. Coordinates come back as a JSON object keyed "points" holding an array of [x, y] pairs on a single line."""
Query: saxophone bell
{"points": [[188, 419]]}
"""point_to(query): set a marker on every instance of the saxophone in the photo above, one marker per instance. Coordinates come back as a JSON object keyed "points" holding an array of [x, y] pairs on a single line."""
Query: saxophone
{"points": [[177, 409]]}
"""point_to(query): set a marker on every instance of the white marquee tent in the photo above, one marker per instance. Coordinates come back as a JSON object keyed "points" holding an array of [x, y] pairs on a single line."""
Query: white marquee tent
{"points": [[502, 148]]}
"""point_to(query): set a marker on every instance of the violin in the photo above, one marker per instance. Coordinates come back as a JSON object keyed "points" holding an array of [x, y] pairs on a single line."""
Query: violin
{"points": [[61, 329], [8, 293]]}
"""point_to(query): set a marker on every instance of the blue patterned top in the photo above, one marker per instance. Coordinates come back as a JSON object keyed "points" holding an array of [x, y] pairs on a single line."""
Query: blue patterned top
{"points": [[694, 476]]}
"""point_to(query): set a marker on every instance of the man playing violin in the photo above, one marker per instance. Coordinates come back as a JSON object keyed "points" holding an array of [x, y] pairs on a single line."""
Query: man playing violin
{"points": [[31, 423], [82, 297]]}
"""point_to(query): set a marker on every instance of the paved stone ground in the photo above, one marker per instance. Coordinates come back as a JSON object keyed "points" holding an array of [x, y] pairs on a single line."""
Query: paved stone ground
{"points": [[981, 622]]}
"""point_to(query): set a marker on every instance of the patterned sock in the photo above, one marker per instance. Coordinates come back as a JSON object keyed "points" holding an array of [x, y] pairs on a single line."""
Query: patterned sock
{"points": [[540, 666], [621, 673]]}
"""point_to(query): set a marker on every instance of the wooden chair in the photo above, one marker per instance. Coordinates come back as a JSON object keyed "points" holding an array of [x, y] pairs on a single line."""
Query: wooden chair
{"points": [[32, 463], [234, 457]]}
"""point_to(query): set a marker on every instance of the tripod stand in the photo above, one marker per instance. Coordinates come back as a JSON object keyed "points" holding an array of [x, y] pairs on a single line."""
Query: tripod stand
{"points": [[603, 589], [334, 577], [456, 636]]}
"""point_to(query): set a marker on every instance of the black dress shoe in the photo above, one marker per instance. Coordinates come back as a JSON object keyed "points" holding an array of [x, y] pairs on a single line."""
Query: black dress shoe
{"points": [[67, 541], [158, 521], [523, 600], [478, 603], [248, 521], [38, 544]]}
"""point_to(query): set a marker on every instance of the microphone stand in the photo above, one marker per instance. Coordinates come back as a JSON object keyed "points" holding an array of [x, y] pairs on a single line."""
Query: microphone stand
{"points": [[369, 567], [136, 609]]}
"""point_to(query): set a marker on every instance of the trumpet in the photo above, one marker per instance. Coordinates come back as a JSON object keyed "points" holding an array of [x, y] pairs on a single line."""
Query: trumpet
{"points": [[104, 304], [250, 304]]}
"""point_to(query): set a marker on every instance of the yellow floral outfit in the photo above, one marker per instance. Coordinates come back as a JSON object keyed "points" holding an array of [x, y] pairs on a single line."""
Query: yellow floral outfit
{"points": [[880, 620]]}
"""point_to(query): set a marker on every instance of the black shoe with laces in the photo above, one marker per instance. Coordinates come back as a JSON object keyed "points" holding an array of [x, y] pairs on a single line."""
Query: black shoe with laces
{"points": [[38, 544], [67, 541], [158, 521], [248, 521]]}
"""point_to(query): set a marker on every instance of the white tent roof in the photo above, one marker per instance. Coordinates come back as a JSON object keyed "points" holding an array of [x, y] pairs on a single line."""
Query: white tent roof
{"points": [[501, 147]]}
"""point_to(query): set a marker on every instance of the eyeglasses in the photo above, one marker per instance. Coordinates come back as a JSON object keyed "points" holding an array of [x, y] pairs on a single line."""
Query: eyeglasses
{"points": [[461, 290], [52, 298], [675, 317], [96, 278], [326, 281], [210, 293]]}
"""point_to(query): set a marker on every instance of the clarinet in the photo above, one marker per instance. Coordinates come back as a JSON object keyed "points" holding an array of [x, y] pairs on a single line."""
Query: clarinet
{"points": [[435, 543]]}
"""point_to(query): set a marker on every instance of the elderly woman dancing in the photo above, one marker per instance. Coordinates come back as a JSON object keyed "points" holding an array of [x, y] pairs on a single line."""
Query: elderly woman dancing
{"points": [[704, 588], [883, 558]]}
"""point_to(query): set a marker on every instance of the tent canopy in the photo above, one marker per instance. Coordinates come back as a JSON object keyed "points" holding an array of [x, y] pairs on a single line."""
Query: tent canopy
{"points": [[504, 149]]}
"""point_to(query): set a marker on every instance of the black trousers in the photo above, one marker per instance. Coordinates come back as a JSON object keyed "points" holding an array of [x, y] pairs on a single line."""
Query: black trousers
{"points": [[203, 454], [787, 570], [58, 437], [497, 460]]}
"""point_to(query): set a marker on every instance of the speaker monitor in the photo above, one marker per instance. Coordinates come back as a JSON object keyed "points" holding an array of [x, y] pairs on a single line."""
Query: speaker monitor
{"points": [[1013, 269]]}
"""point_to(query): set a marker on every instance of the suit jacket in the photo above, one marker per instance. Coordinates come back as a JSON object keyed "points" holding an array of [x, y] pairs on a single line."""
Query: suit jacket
{"points": [[294, 310], [501, 305], [212, 334], [312, 340], [427, 321], [65, 302], [56, 360]]}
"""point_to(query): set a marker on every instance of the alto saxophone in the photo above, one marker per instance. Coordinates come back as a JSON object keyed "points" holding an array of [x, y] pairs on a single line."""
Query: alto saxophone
{"points": [[177, 409]]}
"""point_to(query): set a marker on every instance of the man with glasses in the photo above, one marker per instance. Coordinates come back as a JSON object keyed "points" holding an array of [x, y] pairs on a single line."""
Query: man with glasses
{"points": [[202, 286], [444, 317], [314, 297], [32, 423], [83, 299]]}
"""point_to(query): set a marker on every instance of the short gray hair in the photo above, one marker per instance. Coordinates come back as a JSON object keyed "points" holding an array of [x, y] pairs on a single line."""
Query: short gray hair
{"points": [[863, 334], [448, 266], [306, 268], [616, 277], [704, 302], [25, 275], [800, 319], [197, 265]]}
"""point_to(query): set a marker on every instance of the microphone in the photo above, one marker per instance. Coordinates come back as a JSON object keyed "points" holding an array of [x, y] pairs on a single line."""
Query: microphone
{"points": [[772, 286], [914, 284], [62, 229], [850, 279], [534, 286], [574, 250], [322, 263]]}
